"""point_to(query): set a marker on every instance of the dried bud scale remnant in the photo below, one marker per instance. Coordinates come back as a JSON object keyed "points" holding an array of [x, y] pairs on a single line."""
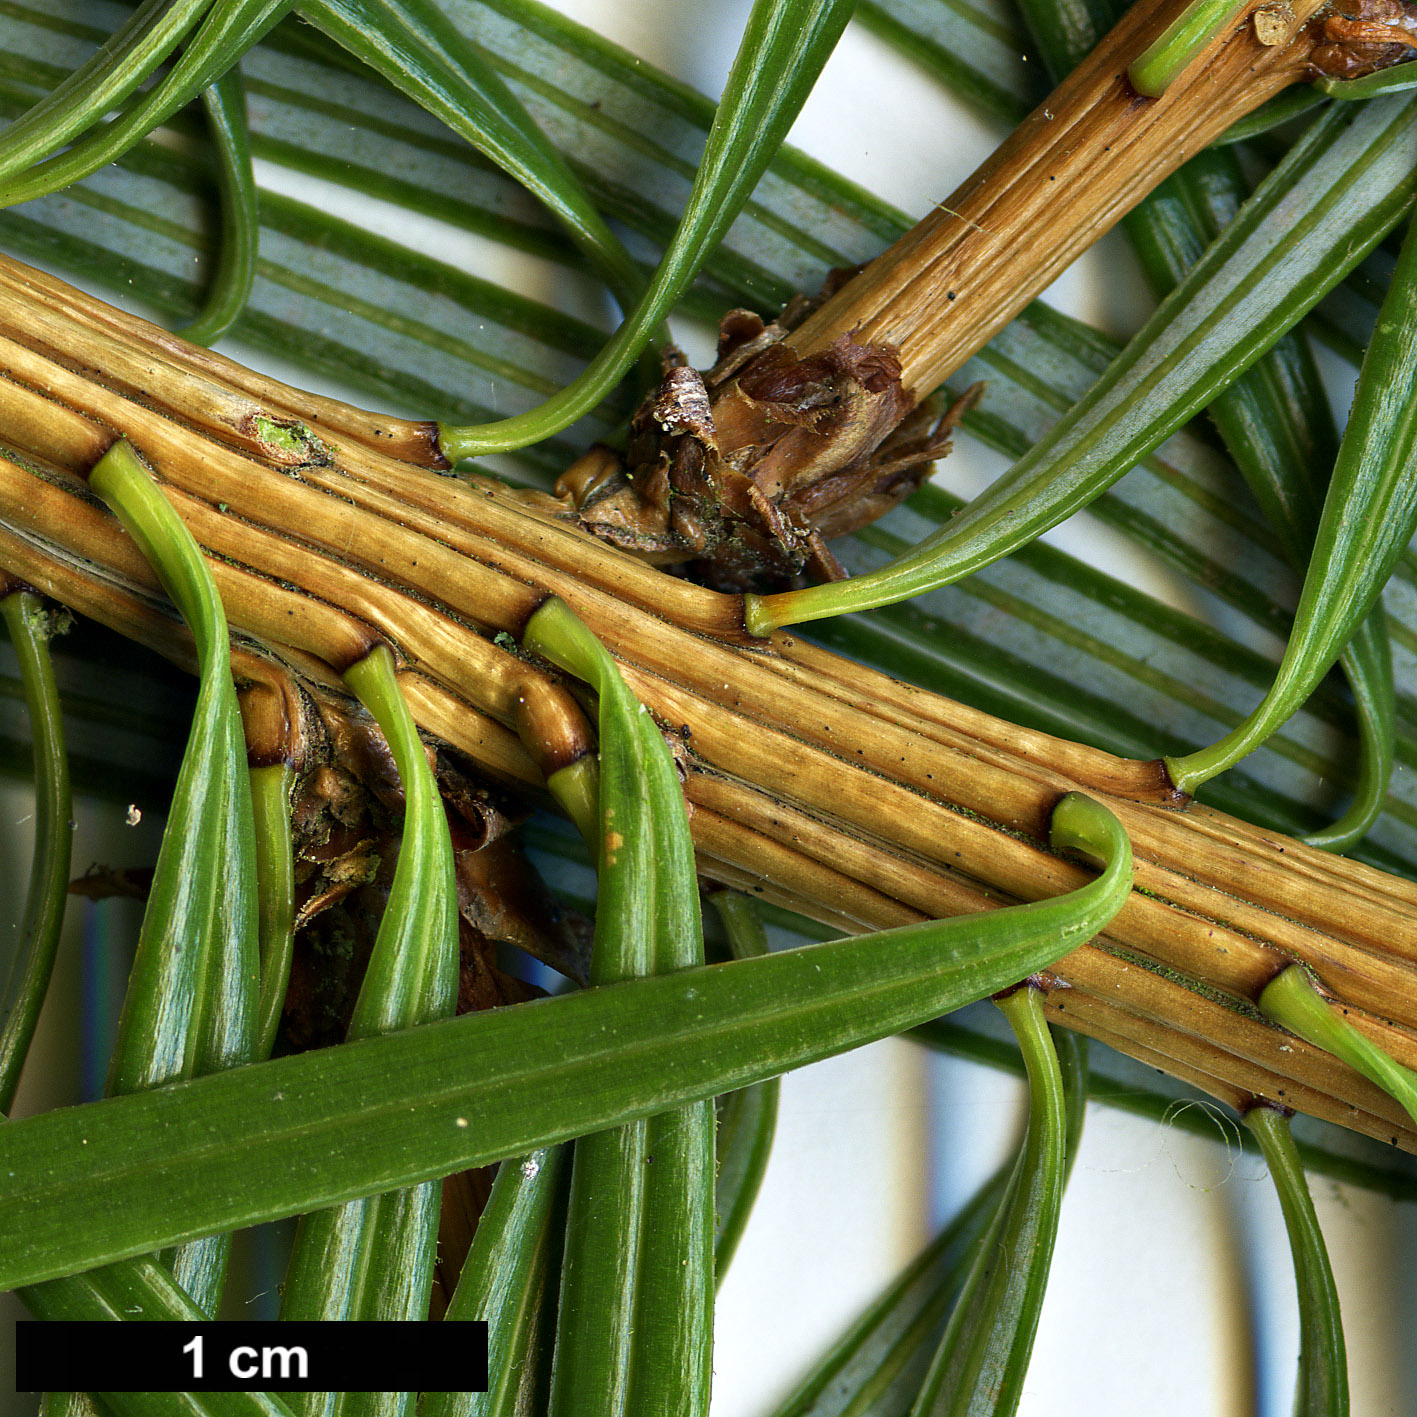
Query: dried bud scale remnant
{"points": [[1361, 37], [744, 473], [682, 405]]}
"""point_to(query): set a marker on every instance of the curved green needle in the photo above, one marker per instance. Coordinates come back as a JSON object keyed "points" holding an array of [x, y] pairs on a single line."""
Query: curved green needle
{"points": [[191, 1002], [784, 47], [33, 959], [1322, 1386], [414, 45], [1292, 1000], [983, 1357], [240, 228], [1369, 515], [372, 1258], [747, 1119], [319, 1128], [637, 1269]]}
